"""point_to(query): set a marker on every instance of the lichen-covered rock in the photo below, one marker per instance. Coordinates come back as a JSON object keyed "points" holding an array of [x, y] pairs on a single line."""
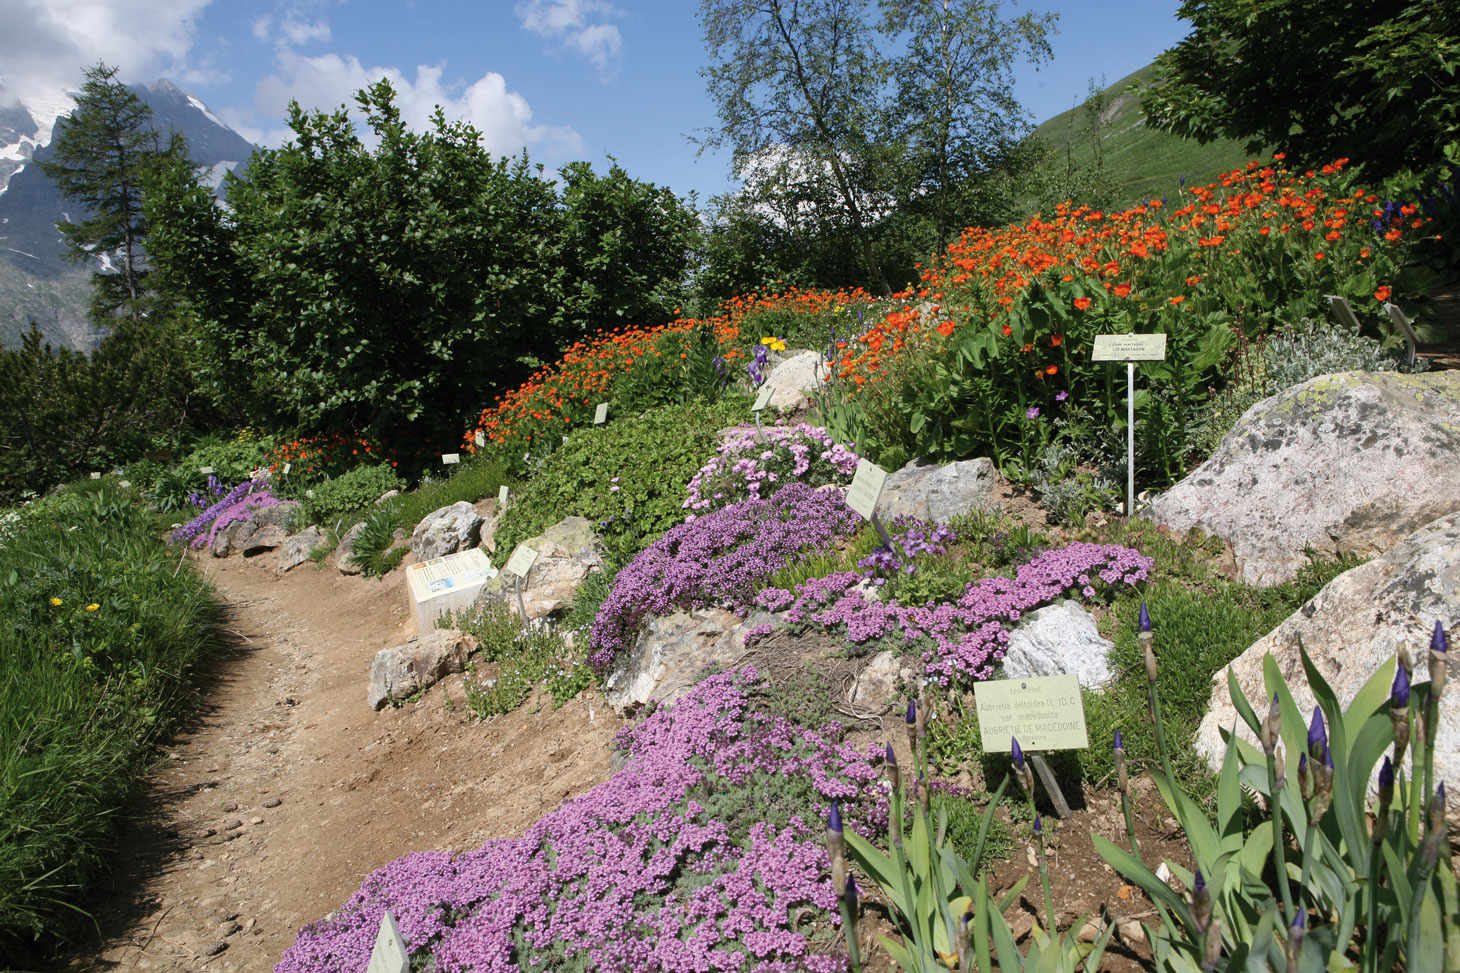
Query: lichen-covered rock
{"points": [[344, 553], [1059, 639], [1346, 463], [940, 492], [1353, 627], [297, 547], [674, 651], [567, 552], [795, 380], [446, 531], [403, 670]]}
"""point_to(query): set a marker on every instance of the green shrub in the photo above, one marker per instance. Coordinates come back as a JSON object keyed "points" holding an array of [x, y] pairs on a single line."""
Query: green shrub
{"points": [[628, 477], [233, 457], [340, 496], [525, 657], [97, 622]]}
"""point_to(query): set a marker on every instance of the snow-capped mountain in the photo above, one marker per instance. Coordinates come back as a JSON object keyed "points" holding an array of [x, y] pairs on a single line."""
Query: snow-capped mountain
{"points": [[36, 281]]}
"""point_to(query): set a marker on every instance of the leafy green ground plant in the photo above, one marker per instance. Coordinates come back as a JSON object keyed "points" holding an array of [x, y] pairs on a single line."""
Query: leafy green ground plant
{"points": [[97, 622], [334, 499], [525, 657], [1314, 886]]}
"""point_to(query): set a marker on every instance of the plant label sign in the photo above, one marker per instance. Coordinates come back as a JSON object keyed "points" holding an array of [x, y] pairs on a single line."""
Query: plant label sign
{"points": [[450, 459], [389, 954], [287, 468], [502, 498], [1045, 713], [763, 397], [1129, 347], [600, 414], [866, 488], [480, 439], [446, 584], [206, 470], [96, 476], [521, 561]]}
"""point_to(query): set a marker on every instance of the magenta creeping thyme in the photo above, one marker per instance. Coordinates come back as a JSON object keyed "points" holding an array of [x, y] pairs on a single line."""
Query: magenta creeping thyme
{"points": [[238, 504], [747, 467], [717, 559], [958, 641], [911, 538], [637, 875]]}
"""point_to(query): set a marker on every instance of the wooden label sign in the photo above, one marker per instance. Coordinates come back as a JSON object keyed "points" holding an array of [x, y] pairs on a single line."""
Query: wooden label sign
{"points": [[1129, 347], [521, 561], [390, 954], [206, 470], [1044, 713], [502, 498], [600, 414], [450, 459], [866, 488], [763, 397]]}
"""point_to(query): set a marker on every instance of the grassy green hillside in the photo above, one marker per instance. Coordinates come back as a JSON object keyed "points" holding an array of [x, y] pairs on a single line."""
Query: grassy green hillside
{"points": [[1138, 160]]}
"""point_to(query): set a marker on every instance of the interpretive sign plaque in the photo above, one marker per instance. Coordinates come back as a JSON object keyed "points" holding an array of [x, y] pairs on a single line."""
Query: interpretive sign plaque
{"points": [[600, 414], [446, 584], [1129, 347], [389, 954], [866, 488], [1044, 713], [763, 397], [521, 561], [450, 459]]}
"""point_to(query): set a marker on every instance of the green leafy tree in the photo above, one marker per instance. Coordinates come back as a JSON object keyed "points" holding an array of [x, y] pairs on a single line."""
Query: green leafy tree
{"points": [[954, 113], [103, 154], [797, 84], [627, 247], [1320, 79]]}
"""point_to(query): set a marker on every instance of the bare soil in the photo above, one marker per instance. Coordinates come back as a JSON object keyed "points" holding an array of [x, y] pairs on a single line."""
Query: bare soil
{"points": [[285, 789]]}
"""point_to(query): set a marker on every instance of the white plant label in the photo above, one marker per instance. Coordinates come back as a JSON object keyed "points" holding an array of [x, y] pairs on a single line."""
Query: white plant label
{"points": [[866, 488], [96, 476], [206, 470], [521, 561], [600, 414], [389, 954], [763, 398], [502, 498], [450, 459]]}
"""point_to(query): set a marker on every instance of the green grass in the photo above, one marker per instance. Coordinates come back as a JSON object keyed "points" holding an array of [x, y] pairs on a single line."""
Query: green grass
{"points": [[84, 694], [1139, 161]]}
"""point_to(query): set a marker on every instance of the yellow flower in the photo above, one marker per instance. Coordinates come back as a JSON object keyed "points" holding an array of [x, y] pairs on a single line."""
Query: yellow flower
{"points": [[92, 607], [766, 341], [778, 345], [56, 602]]}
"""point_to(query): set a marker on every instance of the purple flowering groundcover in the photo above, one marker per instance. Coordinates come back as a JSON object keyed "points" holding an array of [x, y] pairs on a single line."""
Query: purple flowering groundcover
{"points": [[704, 853]]}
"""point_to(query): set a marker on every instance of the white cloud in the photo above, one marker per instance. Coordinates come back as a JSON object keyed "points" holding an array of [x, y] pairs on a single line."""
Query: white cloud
{"points": [[328, 81], [46, 45], [580, 25]]}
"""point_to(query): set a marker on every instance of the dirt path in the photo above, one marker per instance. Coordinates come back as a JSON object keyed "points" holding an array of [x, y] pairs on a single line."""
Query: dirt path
{"points": [[286, 790]]}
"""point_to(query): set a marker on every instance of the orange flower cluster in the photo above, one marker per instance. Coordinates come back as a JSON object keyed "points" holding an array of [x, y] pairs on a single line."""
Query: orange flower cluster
{"points": [[565, 392], [322, 455]]}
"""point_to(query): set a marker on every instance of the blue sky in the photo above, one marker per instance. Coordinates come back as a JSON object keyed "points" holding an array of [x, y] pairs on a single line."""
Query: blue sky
{"points": [[567, 79]]}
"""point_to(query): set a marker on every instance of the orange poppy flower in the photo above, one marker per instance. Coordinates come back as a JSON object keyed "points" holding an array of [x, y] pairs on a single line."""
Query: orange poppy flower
{"points": [[1081, 303], [1382, 294]]}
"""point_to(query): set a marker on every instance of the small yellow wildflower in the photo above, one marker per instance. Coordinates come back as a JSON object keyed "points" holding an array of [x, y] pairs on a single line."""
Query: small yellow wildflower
{"points": [[56, 602], [92, 607]]}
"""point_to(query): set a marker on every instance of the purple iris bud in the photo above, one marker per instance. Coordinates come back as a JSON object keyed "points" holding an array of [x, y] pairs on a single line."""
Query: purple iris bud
{"points": [[1437, 641], [851, 894], [1038, 825], [834, 820], [891, 757], [1300, 922], [1386, 774], [1118, 744], [1017, 753], [1145, 621], [912, 712], [1200, 885], [1317, 733], [1399, 692], [1327, 758], [1181, 181]]}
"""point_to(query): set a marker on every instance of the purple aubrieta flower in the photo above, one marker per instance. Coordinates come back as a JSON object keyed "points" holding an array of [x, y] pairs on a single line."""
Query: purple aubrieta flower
{"points": [[1032, 412]]}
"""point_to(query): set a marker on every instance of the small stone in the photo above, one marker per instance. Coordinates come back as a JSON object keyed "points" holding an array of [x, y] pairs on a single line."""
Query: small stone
{"points": [[230, 806], [248, 926], [1131, 932], [232, 824], [226, 929], [207, 832], [1089, 932], [229, 916], [214, 949], [272, 802], [255, 820]]}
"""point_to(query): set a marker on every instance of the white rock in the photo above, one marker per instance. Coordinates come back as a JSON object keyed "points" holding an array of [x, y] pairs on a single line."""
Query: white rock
{"points": [[1058, 639]]}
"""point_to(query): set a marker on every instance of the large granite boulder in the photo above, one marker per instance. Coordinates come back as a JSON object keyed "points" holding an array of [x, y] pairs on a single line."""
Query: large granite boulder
{"points": [[795, 380], [1351, 628], [567, 552], [264, 530], [446, 531], [673, 652], [404, 670], [940, 492], [1059, 639], [297, 548], [1346, 463]]}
